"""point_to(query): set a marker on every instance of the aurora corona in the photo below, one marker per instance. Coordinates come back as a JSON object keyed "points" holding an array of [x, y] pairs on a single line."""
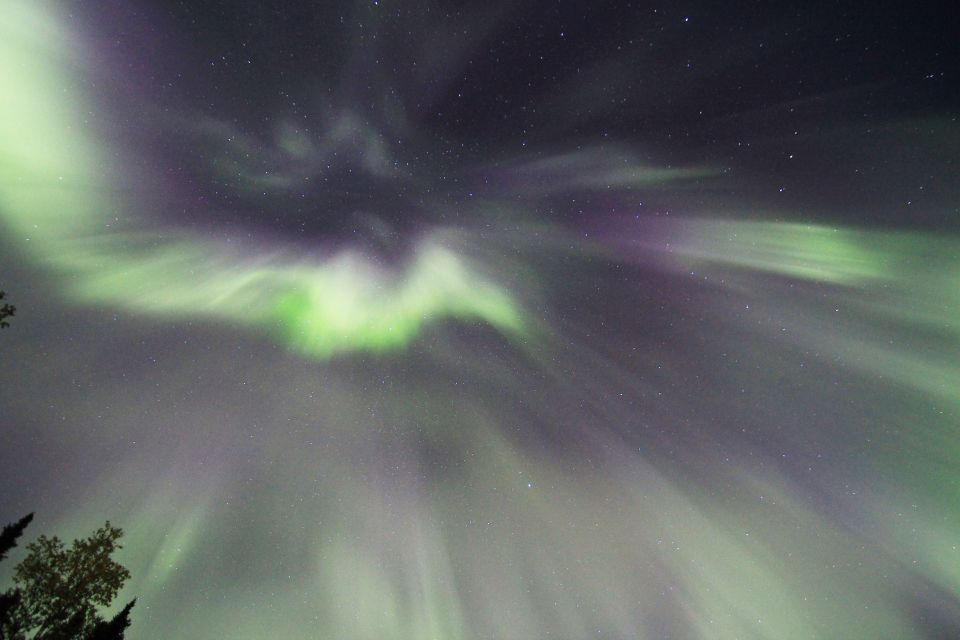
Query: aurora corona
{"points": [[440, 322]]}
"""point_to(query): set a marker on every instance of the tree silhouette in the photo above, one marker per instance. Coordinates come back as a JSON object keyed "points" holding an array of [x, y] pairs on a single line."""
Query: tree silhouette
{"points": [[58, 589], [10, 533], [6, 311], [10, 600], [112, 629]]}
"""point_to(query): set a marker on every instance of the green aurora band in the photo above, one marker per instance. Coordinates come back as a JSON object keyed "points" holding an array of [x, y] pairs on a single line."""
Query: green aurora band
{"points": [[55, 195], [874, 288]]}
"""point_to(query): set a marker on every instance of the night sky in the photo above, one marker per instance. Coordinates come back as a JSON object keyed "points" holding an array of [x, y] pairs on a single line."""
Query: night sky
{"points": [[488, 320]]}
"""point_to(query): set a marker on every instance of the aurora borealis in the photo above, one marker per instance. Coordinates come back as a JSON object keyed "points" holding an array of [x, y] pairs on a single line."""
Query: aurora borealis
{"points": [[481, 320]]}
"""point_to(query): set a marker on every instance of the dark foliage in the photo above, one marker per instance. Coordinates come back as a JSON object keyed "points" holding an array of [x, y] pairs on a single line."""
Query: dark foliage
{"points": [[59, 588], [112, 629], [10, 533], [6, 311]]}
